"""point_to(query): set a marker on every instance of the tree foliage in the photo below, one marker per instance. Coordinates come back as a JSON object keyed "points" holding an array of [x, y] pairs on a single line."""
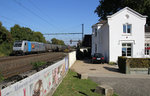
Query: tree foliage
{"points": [[108, 7], [6, 41], [17, 33], [5, 35], [57, 41], [38, 36], [24, 33]]}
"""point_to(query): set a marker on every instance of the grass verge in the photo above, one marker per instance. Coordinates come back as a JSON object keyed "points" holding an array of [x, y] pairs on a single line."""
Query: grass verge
{"points": [[73, 86]]}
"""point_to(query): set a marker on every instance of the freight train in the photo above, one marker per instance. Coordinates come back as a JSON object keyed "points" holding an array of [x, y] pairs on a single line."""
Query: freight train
{"points": [[26, 47]]}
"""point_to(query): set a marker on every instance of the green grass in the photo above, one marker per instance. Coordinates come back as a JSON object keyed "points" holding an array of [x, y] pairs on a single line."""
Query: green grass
{"points": [[73, 86]]}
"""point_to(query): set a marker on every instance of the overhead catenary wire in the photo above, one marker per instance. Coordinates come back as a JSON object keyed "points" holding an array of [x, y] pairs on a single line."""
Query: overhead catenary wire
{"points": [[41, 11], [32, 12], [13, 20], [37, 15], [35, 6]]}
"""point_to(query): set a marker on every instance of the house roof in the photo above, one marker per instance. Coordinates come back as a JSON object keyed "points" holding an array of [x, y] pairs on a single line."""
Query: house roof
{"points": [[102, 22], [129, 9], [147, 29]]}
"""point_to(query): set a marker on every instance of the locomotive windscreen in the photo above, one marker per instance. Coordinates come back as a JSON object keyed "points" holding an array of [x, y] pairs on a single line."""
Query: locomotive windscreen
{"points": [[18, 44]]}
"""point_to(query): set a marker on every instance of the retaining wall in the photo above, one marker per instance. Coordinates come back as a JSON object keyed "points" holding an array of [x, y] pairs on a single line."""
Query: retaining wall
{"points": [[43, 82], [72, 58]]}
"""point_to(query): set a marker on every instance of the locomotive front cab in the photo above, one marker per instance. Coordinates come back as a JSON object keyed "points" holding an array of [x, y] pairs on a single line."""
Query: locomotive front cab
{"points": [[18, 47]]}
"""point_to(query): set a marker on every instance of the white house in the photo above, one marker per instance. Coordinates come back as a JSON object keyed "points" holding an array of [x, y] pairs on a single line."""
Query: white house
{"points": [[147, 41], [123, 34]]}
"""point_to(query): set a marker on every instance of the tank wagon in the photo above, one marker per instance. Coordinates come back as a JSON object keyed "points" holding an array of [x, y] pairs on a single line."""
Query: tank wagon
{"points": [[25, 47]]}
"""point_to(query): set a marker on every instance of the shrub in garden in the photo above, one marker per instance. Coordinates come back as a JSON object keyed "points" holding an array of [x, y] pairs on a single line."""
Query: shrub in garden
{"points": [[122, 64], [139, 62], [133, 63]]}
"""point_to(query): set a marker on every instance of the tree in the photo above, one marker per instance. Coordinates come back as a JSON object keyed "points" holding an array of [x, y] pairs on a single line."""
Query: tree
{"points": [[38, 36], [24, 33], [109, 7], [6, 41], [16, 32], [5, 35], [57, 41]]}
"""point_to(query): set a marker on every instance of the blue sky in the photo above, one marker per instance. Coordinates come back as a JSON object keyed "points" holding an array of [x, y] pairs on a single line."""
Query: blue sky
{"points": [[50, 16]]}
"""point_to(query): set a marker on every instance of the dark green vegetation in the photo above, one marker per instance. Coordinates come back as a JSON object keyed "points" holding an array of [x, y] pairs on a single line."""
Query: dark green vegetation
{"points": [[56, 41], [73, 86], [1, 77], [108, 7], [123, 62], [16, 33], [112, 63], [24, 33], [37, 65], [6, 41]]}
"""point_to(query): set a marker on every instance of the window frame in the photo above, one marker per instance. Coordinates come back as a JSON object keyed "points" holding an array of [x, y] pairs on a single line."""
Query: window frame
{"points": [[125, 28], [147, 52], [127, 47]]}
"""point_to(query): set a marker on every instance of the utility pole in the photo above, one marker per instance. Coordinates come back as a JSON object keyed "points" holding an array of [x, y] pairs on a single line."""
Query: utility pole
{"points": [[82, 31]]}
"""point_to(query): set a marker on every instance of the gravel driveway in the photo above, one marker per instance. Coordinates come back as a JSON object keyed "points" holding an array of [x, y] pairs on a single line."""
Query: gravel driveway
{"points": [[123, 85]]}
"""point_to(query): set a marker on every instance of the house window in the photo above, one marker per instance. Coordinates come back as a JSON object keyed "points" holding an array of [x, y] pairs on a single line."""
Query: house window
{"points": [[95, 32], [147, 49], [95, 48], [126, 49], [127, 28]]}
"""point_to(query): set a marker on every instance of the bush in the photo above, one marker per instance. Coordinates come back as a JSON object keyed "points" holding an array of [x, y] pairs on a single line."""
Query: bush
{"points": [[123, 62], [139, 62], [37, 65], [112, 63], [66, 50], [1, 77]]}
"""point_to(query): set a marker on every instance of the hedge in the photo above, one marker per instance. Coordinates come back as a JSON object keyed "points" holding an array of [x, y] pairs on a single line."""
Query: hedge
{"points": [[124, 63], [139, 62]]}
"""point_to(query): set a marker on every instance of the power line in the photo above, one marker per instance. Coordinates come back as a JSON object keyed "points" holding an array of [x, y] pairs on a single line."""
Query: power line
{"points": [[7, 18], [37, 8], [20, 4], [10, 19], [61, 33]]}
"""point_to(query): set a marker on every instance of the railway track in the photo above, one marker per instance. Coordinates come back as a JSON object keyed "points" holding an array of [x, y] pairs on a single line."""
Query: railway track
{"points": [[2, 59], [14, 65]]}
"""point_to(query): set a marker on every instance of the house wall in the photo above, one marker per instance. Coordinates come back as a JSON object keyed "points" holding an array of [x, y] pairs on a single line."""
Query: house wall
{"points": [[95, 39], [103, 44], [117, 37]]}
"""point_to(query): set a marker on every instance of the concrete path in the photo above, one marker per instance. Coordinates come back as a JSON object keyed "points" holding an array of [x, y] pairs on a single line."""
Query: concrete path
{"points": [[124, 85]]}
